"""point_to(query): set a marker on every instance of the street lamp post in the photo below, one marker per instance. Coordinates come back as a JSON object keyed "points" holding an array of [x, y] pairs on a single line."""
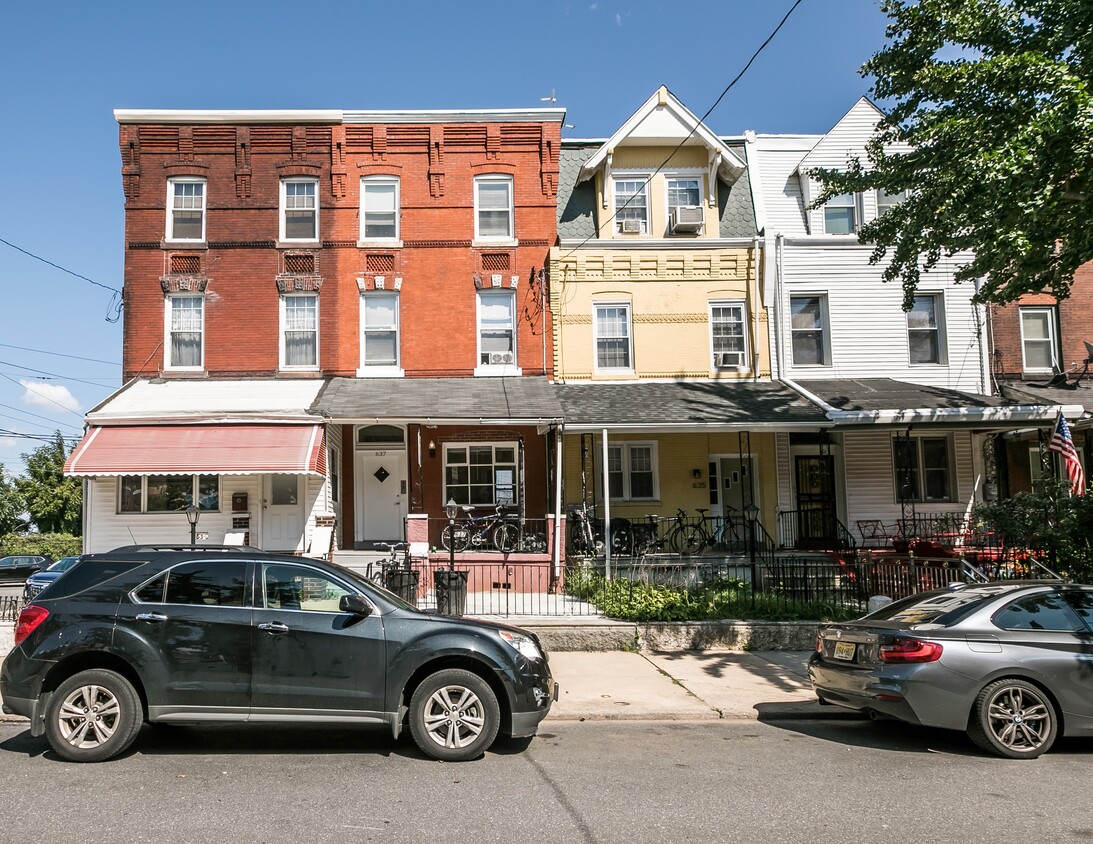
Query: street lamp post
{"points": [[192, 515], [751, 513], [452, 509]]}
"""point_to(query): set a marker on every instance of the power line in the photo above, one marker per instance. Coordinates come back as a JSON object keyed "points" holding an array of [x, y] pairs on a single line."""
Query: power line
{"points": [[59, 354], [59, 267], [694, 128], [41, 373], [45, 438], [52, 423], [42, 396]]}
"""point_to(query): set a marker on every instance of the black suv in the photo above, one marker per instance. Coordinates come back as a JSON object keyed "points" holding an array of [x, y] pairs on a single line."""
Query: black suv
{"points": [[215, 635]]}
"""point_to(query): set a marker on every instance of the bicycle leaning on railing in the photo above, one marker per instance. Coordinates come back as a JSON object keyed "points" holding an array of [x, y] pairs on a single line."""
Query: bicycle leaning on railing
{"points": [[397, 559], [498, 530], [582, 532]]}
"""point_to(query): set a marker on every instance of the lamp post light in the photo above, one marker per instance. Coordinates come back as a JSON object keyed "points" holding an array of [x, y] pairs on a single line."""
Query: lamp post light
{"points": [[192, 515], [751, 513], [452, 509]]}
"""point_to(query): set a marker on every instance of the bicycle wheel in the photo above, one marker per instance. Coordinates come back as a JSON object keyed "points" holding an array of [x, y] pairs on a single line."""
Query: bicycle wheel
{"points": [[688, 539], [455, 537], [730, 541], [505, 537]]}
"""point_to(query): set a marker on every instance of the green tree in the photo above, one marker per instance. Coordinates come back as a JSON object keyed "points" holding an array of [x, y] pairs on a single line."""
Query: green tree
{"points": [[55, 503], [11, 504], [990, 130]]}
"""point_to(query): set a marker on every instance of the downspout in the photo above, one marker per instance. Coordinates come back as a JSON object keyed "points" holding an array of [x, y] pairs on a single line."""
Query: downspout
{"points": [[543, 293], [606, 512], [556, 550], [755, 307]]}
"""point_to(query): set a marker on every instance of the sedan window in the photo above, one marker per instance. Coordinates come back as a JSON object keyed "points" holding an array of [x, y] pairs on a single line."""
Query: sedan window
{"points": [[1081, 603], [1039, 612], [289, 587], [932, 608]]}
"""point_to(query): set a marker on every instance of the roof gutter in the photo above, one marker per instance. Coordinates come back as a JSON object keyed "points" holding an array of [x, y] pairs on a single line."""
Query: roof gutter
{"points": [[1007, 415]]}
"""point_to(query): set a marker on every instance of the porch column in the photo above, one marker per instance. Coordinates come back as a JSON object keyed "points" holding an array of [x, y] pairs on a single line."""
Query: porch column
{"points": [[606, 512]]}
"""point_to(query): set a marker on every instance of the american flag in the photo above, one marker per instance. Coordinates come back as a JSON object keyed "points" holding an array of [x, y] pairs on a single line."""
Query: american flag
{"points": [[1061, 443]]}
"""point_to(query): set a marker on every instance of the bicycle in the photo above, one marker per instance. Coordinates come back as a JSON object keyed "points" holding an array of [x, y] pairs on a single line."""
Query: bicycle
{"points": [[392, 563], [582, 534], [688, 537], [494, 529]]}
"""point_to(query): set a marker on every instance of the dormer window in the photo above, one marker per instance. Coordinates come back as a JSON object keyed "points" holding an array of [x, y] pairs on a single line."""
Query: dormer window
{"points": [[631, 205], [841, 214], [685, 212]]}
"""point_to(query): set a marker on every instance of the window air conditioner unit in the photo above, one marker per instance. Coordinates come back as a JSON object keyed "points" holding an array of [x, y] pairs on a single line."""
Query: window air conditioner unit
{"points": [[498, 358], [687, 218], [631, 226], [724, 360]]}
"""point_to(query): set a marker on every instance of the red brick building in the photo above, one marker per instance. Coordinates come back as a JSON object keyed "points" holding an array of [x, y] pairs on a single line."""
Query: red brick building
{"points": [[1041, 354], [393, 259]]}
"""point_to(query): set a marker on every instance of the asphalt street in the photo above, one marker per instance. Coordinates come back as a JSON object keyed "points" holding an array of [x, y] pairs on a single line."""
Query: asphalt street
{"points": [[629, 782]]}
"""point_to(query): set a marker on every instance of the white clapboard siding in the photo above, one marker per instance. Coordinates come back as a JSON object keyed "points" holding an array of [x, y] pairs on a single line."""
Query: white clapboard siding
{"points": [[777, 157], [871, 478], [867, 325]]}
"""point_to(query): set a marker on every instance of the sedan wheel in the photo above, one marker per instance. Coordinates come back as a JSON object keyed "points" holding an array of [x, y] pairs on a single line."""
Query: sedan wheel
{"points": [[1013, 718], [93, 716], [454, 715]]}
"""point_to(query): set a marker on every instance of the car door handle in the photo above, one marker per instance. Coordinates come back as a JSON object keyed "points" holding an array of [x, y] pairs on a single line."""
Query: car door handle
{"points": [[273, 627], [151, 616]]}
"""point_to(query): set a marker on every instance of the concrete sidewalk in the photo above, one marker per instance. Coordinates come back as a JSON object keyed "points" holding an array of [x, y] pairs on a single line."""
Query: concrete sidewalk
{"points": [[685, 686]]}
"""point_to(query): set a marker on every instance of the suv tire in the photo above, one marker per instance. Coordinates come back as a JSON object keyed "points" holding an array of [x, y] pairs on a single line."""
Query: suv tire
{"points": [[93, 716], [454, 715]]}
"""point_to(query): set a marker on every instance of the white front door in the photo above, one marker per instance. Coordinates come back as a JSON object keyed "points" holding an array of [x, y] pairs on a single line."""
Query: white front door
{"points": [[381, 496], [282, 513]]}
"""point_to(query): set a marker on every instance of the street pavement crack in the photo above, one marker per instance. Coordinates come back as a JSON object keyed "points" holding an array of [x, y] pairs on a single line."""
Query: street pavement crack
{"points": [[583, 828], [720, 714]]}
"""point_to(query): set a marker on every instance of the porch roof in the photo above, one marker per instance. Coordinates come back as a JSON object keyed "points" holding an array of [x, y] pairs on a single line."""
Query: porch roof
{"points": [[885, 401], [682, 406], [524, 400], [243, 449]]}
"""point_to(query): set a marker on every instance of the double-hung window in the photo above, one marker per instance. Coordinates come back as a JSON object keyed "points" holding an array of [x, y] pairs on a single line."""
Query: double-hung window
{"points": [[1039, 348], [480, 473], [632, 471], [300, 331], [185, 331], [923, 468], [168, 493], [612, 328], [728, 335], [887, 201], [497, 329], [379, 208], [186, 209], [631, 205], [493, 212], [841, 214], [684, 193], [299, 209], [379, 333], [925, 337], [808, 327]]}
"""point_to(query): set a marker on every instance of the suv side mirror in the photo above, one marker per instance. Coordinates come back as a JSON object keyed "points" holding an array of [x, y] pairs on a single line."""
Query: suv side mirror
{"points": [[355, 604]]}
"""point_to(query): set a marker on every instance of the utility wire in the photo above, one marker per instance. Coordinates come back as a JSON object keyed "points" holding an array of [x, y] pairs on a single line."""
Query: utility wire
{"points": [[49, 376], [53, 423], [60, 354], [42, 396], [694, 128], [59, 267]]}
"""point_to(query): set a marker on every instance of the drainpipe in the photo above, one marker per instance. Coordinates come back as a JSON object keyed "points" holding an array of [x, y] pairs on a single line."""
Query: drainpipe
{"points": [[778, 303], [556, 550], [606, 512], [755, 308]]}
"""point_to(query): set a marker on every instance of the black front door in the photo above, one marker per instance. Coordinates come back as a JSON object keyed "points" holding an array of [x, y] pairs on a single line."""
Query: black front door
{"points": [[816, 502]]}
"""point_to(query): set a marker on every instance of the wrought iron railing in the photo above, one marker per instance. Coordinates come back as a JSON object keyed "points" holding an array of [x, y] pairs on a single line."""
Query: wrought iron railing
{"points": [[10, 607], [817, 529], [479, 533]]}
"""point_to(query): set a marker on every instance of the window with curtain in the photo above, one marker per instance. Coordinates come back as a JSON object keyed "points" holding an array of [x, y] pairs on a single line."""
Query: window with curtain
{"points": [[185, 315], [301, 330]]}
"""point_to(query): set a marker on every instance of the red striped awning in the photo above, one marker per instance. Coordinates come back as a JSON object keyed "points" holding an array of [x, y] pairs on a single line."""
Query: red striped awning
{"points": [[199, 449]]}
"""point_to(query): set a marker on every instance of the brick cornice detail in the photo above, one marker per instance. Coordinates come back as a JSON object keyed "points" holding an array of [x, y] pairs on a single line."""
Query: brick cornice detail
{"points": [[178, 283], [299, 282], [186, 168], [299, 168]]}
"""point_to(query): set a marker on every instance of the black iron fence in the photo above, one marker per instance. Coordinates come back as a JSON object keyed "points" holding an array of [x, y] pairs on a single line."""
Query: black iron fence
{"points": [[500, 533], [814, 529], [10, 607]]}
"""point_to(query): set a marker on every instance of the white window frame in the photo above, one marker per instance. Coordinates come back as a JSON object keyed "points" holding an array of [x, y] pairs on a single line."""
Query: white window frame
{"points": [[381, 370], [1052, 338], [170, 230], [886, 201], [939, 318], [596, 307], [854, 205], [494, 239], [283, 330], [367, 181], [677, 176], [195, 490], [493, 445], [616, 221], [284, 209], [496, 369], [625, 447], [918, 495], [824, 329], [740, 305], [168, 330]]}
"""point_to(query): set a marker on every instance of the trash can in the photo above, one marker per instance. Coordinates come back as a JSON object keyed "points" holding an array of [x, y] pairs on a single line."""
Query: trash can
{"points": [[451, 591], [404, 584]]}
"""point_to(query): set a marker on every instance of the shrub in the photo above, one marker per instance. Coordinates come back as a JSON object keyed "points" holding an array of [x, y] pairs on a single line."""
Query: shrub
{"points": [[55, 545]]}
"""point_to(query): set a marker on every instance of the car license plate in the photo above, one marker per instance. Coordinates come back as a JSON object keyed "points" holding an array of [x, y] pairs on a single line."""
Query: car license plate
{"points": [[845, 650]]}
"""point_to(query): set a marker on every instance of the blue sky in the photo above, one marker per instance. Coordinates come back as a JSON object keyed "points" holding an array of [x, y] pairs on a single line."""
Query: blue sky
{"points": [[68, 65]]}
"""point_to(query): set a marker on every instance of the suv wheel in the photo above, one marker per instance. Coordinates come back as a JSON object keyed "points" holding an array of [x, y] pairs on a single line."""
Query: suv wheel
{"points": [[93, 716], [454, 715]]}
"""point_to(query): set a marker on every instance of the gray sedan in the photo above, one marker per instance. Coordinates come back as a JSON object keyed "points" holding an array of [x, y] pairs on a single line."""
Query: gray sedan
{"points": [[1010, 663]]}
